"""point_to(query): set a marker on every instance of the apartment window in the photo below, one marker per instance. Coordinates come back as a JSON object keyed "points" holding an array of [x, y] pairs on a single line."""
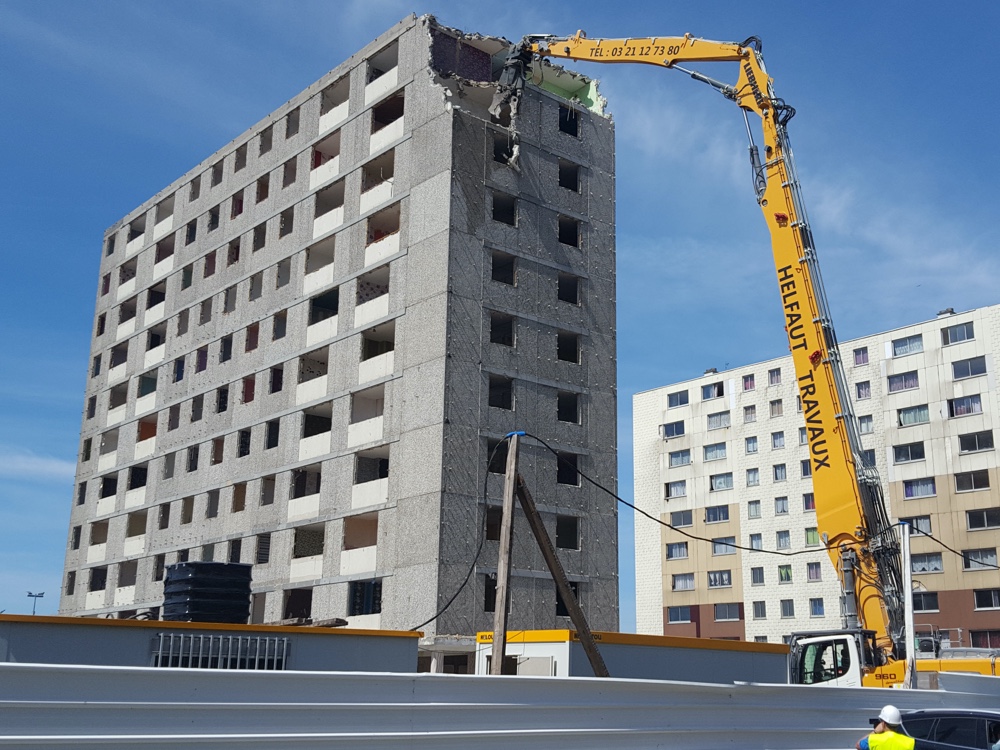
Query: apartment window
{"points": [[258, 240], [863, 390], [279, 326], [957, 333], [678, 614], [924, 487], [289, 171], [969, 481], [569, 121], [787, 608], [968, 368], [292, 123], [780, 506], [249, 388], [783, 540], [243, 443], [216, 173], [816, 608], [724, 545], [718, 421], [776, 408], [681, 518], [909, 452], [213, 218], [712, 390], [192, 458], [201, 359], [680, 398], [239, 497], [903, 382], [780, 472], [777, 440], [673, 429], [277, 379], [814, 571], [861, 356], [716, 513], [501, 329], [568, 347], [803, 436], [925, 601], [961, 407], [753, 509], [987, 598], [984, 518], [676, 489], [81, 493], [567, 532], [566, 469], [751, 444], [748, 382], [720, 579], [221, 399], [784, 574], [913, 415], [749, 414], [977, 559], [675, 551], [926, 562], [262, 556], [267, 485], [727, 612], [756, 541], [868, 457], [98, 579], [679, 458], [503, 268], [918, 524], [212, 506], [866, 424], [812, 536], [205, 311], [236, 204], [774, 376], [718, 482], [505, 208], [753, 477], [974, 442], [908, 345], [715, 452], [569, 231], [760, 610], [805, 468], [568, 407], [271, 434]]}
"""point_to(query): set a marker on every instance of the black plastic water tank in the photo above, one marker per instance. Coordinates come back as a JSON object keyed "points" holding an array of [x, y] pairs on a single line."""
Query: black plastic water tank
{"points": [[207, 592]]}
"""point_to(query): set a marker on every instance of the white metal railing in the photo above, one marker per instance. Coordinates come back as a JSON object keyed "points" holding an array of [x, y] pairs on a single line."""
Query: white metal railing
{"points": [[219, 651]]}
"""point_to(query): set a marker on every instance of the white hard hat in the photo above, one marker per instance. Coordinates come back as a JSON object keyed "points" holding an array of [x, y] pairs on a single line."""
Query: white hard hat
{"points": [[890, 715]]}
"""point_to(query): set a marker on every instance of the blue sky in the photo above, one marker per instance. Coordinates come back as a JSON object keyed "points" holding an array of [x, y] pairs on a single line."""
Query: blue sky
{"points": [[104, 103]]}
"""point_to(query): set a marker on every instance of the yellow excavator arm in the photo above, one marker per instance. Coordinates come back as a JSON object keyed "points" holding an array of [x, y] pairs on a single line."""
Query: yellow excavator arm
{"points": [[850, 509]]}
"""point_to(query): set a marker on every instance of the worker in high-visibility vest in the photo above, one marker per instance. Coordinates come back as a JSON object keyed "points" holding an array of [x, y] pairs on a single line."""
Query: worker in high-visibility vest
{"points": [[888, 734]]}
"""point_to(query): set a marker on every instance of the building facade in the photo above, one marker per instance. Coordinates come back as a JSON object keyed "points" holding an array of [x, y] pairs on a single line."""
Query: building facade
{"points": [[724, 457], [306, 347]]}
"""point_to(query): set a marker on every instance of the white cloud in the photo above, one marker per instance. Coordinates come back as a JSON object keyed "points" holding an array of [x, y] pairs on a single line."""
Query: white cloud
{"points": [[25, 465]]}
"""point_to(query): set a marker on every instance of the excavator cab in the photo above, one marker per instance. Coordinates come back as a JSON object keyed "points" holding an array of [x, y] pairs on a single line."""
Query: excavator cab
{"points": [[836, 657]]}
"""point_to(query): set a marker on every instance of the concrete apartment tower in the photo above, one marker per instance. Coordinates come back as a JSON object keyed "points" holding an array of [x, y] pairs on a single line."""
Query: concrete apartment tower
{"points": [[723, 457], [306, 346]]}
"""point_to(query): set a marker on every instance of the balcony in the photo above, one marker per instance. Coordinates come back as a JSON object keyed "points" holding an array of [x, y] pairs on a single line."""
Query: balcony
{"points": [[374, 196], [164, 267], [94, 600], [144, 448], [124, 596], [125, 289], [381, 85], [116, 414], [144, 404], [376, 367], [328, 221], [324, 172], [310, 390], [306, 568], [317, 445], [303, 508], [97, 552], [135, 245], [125, 329], [108, 460], [106, 505], [135, 498], [384, 248], [134, 545], [117, 373], [154, 356], [369, 311], [360, 560], [383, 137], [367, 494], [154, 314], [334, 101], [317, 279], [163, 227], [368, 431], [321, 331], [365, 622]]}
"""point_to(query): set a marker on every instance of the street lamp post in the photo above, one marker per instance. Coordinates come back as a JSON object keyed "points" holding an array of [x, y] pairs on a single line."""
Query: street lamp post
{"points": [[34, 600]]}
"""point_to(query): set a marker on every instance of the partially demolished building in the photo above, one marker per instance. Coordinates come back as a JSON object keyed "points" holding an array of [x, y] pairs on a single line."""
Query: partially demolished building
{"points": [[306, 348]]}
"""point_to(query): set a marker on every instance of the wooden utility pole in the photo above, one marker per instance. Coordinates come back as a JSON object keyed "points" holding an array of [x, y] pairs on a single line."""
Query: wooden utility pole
{"points": [[562, 583], [503, 565]]}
